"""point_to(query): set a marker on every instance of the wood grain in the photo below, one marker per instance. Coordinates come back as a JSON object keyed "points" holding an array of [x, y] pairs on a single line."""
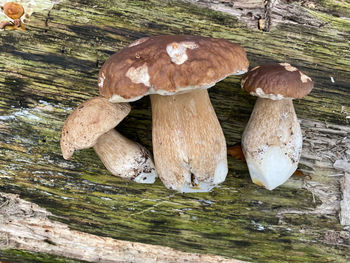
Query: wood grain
{"points": [[52, 66]]}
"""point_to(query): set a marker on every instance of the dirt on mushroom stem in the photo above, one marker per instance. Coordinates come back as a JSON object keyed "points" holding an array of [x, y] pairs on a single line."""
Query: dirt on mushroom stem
{"points": [[125, 158]]}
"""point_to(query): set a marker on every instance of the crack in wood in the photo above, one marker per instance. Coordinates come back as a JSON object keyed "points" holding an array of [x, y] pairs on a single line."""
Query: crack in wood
{"points": [[268, 5], [265, 14]]}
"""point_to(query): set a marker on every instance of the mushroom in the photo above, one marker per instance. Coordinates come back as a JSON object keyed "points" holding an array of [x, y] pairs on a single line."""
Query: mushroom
{"points": [[272, 139], [176, 70], [13, 10], [14, 13], [92, 125]]}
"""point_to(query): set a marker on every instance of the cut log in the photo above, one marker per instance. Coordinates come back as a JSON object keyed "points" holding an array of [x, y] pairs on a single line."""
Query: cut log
{"points": [[52, 66]]}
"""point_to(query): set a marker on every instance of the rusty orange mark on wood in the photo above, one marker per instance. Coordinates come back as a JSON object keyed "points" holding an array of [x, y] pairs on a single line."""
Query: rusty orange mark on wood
{"points": [[236, 152], [301, 174], [257, 182]]}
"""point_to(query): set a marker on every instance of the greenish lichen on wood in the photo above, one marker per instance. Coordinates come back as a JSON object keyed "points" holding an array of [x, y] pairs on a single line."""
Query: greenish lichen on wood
{"points": [[21, 256], [26, 226], [50, 68]]}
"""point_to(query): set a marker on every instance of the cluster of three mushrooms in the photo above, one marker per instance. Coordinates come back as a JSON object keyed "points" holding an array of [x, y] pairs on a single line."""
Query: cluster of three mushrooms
{"points": [[188, 143]]}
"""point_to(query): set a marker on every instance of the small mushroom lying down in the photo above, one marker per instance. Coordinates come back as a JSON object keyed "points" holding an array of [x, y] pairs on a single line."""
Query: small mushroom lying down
{"points": [[13, 10], [92, 125], [272, 139], [176, 70], [14, 14]]}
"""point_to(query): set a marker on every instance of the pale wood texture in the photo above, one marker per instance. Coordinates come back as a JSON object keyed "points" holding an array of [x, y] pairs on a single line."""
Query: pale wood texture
{"points": [[27, 226], [345, 203]]}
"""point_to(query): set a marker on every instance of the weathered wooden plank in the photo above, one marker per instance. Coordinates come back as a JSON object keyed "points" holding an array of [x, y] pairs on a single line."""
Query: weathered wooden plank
{"points": [[51, 67], [28, 227], [345, 203]]}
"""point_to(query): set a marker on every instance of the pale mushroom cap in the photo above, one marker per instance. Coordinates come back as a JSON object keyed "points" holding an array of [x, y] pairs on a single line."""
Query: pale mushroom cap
{"points": [[169, 64], [88, 122], [277, 81]]}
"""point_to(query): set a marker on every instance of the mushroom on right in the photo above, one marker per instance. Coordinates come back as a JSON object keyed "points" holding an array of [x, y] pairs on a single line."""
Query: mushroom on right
{"points": [[272, 139]]}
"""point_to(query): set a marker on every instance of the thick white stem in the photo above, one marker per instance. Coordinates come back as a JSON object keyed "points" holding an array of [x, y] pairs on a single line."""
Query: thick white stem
{"points": [[125, 158], [272, 142], [188, 143]]}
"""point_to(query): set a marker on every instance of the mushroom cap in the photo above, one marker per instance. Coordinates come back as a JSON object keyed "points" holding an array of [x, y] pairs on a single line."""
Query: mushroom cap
{"points": [[169, 64], [277, 81], [13, 10], [88, 122]]}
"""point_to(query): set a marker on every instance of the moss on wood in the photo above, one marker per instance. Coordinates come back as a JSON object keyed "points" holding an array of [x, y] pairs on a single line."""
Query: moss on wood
{"points": [[20, 256], [52, 66]]}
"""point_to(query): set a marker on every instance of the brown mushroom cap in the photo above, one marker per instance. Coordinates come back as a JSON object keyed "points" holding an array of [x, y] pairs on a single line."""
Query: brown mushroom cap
{"points": [[88, 122], [169, 64], [13, 10], [277, 81]]}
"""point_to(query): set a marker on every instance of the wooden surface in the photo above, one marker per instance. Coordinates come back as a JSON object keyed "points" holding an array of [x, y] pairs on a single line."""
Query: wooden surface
{"points": [[52, 66], [29, 228]]}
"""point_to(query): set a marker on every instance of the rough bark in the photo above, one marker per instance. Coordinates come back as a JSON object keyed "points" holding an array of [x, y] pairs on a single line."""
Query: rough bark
{"points": [[267, 14], [52, 66]]}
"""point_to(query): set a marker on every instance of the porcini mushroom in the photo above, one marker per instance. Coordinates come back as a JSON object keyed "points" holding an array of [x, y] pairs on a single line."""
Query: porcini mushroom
{"points": [[188, 143], [92, 125], [272, 139]]}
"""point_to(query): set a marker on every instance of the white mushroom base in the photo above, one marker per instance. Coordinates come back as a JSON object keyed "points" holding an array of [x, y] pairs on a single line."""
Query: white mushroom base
{"points": [[273, 169], [272, 142], [189, 146], [194, 185], [125, 158]]}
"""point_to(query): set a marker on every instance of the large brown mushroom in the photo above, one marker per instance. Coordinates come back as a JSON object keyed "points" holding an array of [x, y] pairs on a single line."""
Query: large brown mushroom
{"points": [[92, 125], [272, 139], [188, 143]]}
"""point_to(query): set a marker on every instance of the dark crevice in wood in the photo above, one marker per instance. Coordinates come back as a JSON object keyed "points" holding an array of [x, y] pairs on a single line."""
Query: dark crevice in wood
{"points": [[268, 5]]}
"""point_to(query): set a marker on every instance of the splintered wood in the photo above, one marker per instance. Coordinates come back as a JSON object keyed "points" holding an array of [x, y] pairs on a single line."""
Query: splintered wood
{"points": [[24, 225], [325, 146], [345, 203], [264, 14]]}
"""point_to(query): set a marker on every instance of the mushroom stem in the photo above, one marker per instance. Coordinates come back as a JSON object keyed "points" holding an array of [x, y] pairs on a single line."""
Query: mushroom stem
{"points": [[272, 142], [189, 146], [125, 158]]}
